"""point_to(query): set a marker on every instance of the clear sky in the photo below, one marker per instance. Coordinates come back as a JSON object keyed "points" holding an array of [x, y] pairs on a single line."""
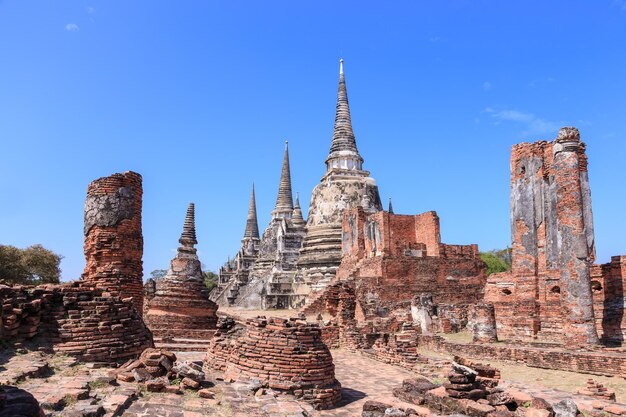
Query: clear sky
{"points": [[199, 97]]}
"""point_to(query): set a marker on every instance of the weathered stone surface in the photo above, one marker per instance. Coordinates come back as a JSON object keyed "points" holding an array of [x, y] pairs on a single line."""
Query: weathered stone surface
{"points": [[553, 293], [345, 185], [565, 408], [262, 275], [15, 402]]}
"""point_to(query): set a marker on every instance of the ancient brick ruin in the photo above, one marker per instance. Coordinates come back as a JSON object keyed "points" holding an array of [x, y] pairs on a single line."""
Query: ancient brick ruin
{"points": [[180, 307], [113, 238], [549, 294], [97, 319], [74, 319], [284, 355]]}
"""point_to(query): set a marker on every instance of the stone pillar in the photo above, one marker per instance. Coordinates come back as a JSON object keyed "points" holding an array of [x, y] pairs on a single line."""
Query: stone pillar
{"points": [[483, 320], [574, 255], [113, 238], [422, 312]]}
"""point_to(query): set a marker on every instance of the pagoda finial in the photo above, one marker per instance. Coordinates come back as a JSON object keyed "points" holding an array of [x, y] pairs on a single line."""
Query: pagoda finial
{"points": [[252, 225], [390, 207], [188, 237], [284, 201], [341, 66]]}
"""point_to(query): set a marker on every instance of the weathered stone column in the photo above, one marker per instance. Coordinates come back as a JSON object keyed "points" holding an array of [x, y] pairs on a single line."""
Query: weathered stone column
{"points": [[574, 255], [113, 238], [483, 319], [422, 312]]}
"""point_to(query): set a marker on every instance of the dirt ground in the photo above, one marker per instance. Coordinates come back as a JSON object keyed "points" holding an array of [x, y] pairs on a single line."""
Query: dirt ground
{"points": [[522, 374]]}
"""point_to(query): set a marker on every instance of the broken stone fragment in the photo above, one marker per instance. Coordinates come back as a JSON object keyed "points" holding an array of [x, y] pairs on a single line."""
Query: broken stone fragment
{"points": [[155, 385], [206, 393], [189, 383]]}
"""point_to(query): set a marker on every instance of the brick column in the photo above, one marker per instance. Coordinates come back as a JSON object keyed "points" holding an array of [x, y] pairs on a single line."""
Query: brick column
{"points": [[574, 255], [113, 238]]}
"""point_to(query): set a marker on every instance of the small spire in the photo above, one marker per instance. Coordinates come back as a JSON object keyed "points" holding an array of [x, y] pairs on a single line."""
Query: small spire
{"points": [[284, 201], [390, 207], [188, 237], [298, 220], [343, 136], [252, 225]]}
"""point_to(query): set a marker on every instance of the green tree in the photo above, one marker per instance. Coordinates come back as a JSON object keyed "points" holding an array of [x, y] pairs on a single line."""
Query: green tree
{"points": [[31, 266], [157, 274], [497, 260], [210, 279]]}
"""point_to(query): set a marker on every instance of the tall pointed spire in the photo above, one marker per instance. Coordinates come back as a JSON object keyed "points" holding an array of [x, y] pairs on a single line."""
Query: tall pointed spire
{"points": [[252, 225], [284, 202], [390, 207], [188, 237], [343, 136]]}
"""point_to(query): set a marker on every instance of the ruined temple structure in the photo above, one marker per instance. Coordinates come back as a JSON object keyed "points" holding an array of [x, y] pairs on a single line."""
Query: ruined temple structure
{"points": [[554, 293], [288, 356], [235, 273], [401, 272], [345, 185], [74, 319], [113, 237], [97, 318], [264, 274], [180, 314]]}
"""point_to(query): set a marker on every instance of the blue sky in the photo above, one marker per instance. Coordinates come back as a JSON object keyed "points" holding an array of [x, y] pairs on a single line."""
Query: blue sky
{"points": [[199, 97]]}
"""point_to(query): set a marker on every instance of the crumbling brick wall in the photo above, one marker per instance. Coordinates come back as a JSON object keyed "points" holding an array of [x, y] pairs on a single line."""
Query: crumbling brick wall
{"points": [[393, 257], [113, 238], [607, 285], [74, 319]]}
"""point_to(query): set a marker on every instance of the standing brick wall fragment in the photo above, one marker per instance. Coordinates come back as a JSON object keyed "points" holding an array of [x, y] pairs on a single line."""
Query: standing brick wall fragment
{"points": [[113, 237]]}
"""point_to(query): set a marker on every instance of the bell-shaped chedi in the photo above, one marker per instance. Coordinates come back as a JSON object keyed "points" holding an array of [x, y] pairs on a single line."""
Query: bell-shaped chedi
{"points": [[345, 185], [180, 307]]}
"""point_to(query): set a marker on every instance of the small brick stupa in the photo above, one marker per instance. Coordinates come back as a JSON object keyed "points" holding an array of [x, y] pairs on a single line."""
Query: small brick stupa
{"points": [[180, 314], [287, 356]]}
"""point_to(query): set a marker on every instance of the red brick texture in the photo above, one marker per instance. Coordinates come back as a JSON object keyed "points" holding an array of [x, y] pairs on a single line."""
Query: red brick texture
{"points": [[113, 237], [554, 294], [285, 355], [391, 258], [76, 320]]}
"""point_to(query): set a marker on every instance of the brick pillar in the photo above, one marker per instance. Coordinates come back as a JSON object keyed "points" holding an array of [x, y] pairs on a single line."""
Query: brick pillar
{"points": [[574, 254], [483, 318], [113, 238]]}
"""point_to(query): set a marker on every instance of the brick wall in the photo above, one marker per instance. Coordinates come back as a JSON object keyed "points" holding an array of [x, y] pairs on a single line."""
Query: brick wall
{"points": [[74, 319]]}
